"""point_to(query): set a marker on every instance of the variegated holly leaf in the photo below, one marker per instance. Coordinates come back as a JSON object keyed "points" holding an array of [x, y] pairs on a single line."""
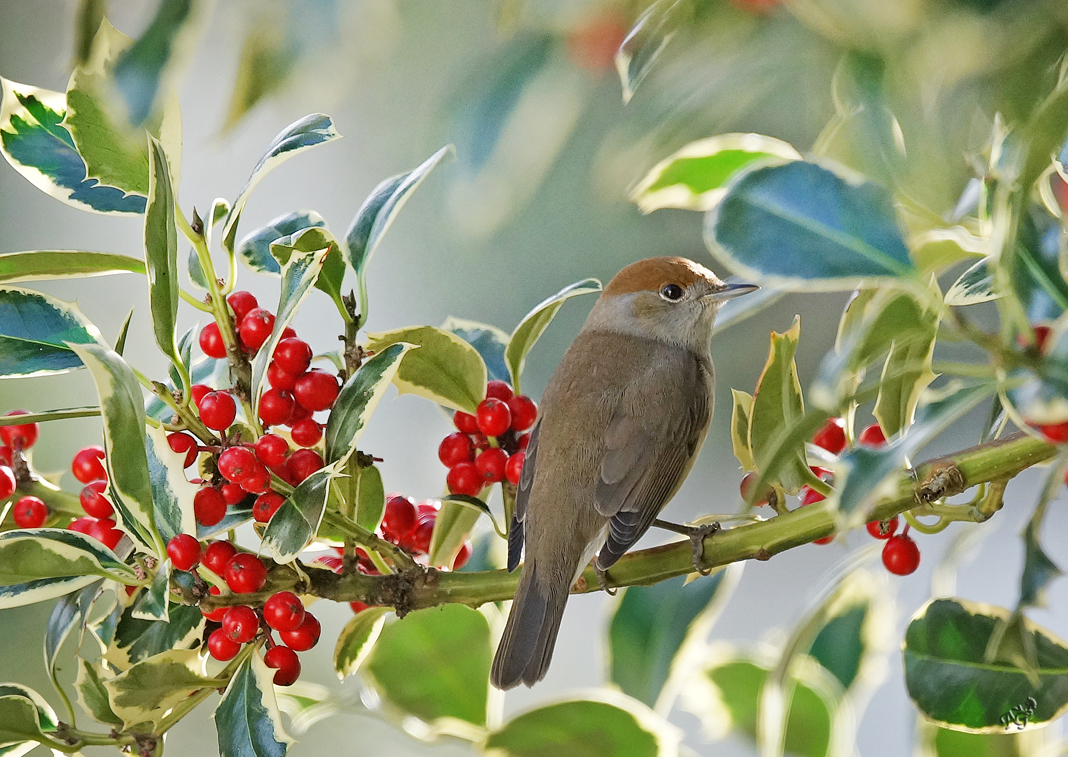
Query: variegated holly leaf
{"points": [[161, 255], [445, 368], [489, 341], [357, 639], [24, 717], [172, 492], [143, 694], [41, 265], [741, 409], [36, 331], [247, 718], [646, 40], [133, 640], [292, 528], [92, 696], [254, 249], [974, 286]]}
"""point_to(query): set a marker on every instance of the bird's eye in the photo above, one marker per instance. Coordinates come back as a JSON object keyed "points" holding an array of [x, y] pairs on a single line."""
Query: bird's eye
{"points": [[671, 292]]}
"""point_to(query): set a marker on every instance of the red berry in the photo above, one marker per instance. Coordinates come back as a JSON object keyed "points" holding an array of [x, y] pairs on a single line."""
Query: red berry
{"points": [[332, 562], [271, 450], [276, 407], [30, 512], [288, 333], [872, 436], [7, 482], [104, 531], [1055, 433], [217, 614], [494, 417], [217, 554], [293, 356], [22, 436], [464, 478], [499, 390], [901, 556], [241, 624], [184, 552], [258, 481], [233, 494], [746, 484], [478, 441], [832, 436], [462, 556], [197, 392], [419, 539], [93, 500], [883, 529], [302, 464], [283, 611], [266, 505], [211, 341], [221, 646], [514, 469], [427, 507], [316, 389], [1041, 336], [86, 465], [242, 303], [209, 506], [399, 518], [286, 662], [521, 442], [358, 607], [524, 412], [5, 455], [491, 464], [236, 463], [592, 45], [306, 433], [217, 410], [455, 449], [465, 422], [81, 525], [280, 379], [256, 328], [303, 637], [245, 573], [183, 443]]}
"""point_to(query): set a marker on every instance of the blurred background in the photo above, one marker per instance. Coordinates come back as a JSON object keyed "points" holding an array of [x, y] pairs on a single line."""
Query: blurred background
{"points": [[535, 198]]}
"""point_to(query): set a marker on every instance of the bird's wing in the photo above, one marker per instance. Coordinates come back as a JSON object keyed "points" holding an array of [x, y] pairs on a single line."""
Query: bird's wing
{"points": [[522, 497], [643, 467]]}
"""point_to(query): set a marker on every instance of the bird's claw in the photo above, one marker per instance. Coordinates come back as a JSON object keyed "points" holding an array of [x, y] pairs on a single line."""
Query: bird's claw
{"points": [[602, 581], [697, 541]]}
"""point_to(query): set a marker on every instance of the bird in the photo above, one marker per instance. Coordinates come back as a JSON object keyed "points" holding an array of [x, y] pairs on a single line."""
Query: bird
{"points": [[622, 420]]}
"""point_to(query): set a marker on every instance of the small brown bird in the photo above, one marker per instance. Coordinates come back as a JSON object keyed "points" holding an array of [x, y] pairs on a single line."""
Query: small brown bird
{"points": [[622, 420]]}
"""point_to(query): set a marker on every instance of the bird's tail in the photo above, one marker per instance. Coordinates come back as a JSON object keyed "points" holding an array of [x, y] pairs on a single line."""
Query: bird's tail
{"points": [[526, 647]]}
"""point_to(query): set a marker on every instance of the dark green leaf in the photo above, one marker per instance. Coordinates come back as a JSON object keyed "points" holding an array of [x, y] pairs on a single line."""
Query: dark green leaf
{"points": [[247, 718], [617, 726], [1038, 572], [24, 716], [489, 341], [36, 331], [357, 639], [1036, 274], [39, 265], [853, 635], [120, 339], [135, 640], [28, 555], [152, 602], [35, 142], [293, 527], [646, 40], [254, 249], [92, 695], [696, 177], [370, 498], [358, 398], [799, 226], [314, 239], [450, 647], [951, 681], [535, 322], [90, 14], [947, 743], [161, 252], [69, 613], [649, 626]]}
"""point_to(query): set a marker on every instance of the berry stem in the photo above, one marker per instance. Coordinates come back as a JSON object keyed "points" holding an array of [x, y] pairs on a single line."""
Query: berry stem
{"points": [[189, 419], [368, 540]]}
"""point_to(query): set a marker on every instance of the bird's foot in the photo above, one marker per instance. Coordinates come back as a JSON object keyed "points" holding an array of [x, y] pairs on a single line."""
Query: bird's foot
{"points": [[696, 535], [602, 581]]}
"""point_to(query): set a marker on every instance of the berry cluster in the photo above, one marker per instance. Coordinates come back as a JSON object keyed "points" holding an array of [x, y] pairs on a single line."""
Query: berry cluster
{"points": [[488, 447], [88, 467], [282, 613], [1054, 433], [28, 512]]}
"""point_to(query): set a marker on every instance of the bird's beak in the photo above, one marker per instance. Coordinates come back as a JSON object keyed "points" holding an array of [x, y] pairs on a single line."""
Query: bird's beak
{"points": [[730, 291]]}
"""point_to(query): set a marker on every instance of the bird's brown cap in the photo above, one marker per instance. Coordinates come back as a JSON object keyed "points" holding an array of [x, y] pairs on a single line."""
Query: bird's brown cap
{"points": [[653, 273]]}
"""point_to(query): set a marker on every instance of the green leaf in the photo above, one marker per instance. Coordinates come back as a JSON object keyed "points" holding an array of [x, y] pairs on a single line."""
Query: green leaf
{"points": [[489, 341], [145, 692], [357, 639], [646, 40], [450, 648], [377, 214], [51, 415], [777, 407], [332, 273], [801, 227], [1039, 570], [32, 554], [478, 505], [611, 724], [445, 368], [92, 696], [973, 286], [696, 177], [152, 603], [358, 398], [952, 683], [247, 718], [254, 250], [742, 408], [535, 322], [650, 626], [946, 743], [35, 142], [172, 492], [293, 527], [726, 697], [161, 253], [125, 443], [312, 130], [71, 612], [451, 529], [36, 331], [1035, 267], [269, 54], [298, 275], [370, 498], [24, 716], [937, 249], [906, 374], [40, 265], [135, 640]]}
